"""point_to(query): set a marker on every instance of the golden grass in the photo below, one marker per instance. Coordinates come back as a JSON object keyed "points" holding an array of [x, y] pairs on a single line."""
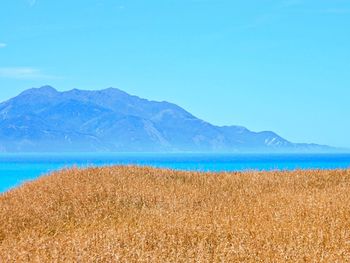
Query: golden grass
{"points": [[131, 214]]}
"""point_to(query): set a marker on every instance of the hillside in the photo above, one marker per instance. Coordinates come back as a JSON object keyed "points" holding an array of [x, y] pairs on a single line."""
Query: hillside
{"points": [[130, 214], [110, 120]]}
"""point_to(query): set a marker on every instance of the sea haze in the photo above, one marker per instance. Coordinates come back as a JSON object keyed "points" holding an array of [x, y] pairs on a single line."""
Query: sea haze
{"points": [[111, 120], [18, 168]]}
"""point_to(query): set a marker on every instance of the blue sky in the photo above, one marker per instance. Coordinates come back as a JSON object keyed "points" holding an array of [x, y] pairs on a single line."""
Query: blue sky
{"points": [[267, 65]]}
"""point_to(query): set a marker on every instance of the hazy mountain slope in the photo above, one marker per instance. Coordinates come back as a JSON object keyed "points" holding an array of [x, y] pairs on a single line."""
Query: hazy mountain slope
{"points": [[44, 119]]}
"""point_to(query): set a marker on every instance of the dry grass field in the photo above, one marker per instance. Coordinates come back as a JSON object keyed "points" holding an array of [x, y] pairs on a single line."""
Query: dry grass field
{"points": [[131, 214]]}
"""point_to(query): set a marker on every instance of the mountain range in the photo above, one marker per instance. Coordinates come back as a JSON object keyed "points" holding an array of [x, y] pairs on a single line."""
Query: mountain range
{"points": [[110, 120]]}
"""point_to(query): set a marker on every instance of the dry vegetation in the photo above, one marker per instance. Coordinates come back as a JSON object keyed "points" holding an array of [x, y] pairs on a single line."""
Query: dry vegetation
{"points": [[131, 214]]}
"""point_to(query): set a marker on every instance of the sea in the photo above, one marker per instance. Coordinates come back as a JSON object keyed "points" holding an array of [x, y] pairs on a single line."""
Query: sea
{"points": [[16, 169]]}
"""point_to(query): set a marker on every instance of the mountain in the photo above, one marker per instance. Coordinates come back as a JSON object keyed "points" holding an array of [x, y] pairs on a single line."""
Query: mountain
{"points": [[45, 120]]}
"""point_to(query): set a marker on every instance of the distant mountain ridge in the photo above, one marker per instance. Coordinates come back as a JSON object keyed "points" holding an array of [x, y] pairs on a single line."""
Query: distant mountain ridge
{"points": [[110, 120]]}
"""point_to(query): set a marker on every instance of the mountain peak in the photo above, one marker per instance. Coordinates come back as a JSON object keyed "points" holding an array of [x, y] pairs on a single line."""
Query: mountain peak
{"points": [[108, 91], [44, 90], [47, 88], [114, 91]]}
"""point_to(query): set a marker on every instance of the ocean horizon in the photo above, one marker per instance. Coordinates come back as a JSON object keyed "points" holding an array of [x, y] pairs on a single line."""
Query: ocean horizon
{"points": [[18, 168]]}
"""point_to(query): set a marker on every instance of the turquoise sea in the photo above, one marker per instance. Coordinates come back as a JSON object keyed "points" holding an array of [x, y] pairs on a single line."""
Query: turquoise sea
{"points": [[18, 168]]}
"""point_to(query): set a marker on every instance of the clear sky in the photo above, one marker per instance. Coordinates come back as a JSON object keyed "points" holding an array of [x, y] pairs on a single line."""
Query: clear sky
{"points": [[267, 65]]}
